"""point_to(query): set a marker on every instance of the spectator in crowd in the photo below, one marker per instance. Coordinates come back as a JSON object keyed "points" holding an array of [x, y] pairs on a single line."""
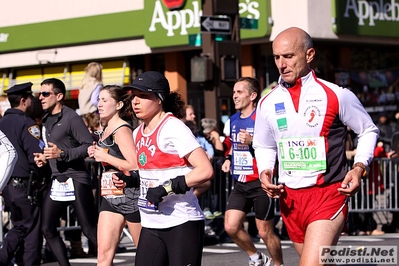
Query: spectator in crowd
{"points": [[390, 95], [394, 153], [188, 113], [373, 185], [382, 98], [363, 223], [24, 134], [170, 166], [208, 148], [306, 110], [93, 123], [37, 111], [365, 96], [386, 131], [66, 139], [395, 125], [211, 133], [90, 88], [116, 151], [247, 192], [350, 144]]}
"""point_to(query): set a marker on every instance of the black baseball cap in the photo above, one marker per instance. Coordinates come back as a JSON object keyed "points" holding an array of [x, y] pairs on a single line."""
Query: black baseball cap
{"points": [[20, 89], [151, 81]]}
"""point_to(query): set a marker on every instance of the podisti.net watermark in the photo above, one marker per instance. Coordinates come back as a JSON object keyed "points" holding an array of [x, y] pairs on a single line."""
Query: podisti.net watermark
{"points": [[358, 255]]}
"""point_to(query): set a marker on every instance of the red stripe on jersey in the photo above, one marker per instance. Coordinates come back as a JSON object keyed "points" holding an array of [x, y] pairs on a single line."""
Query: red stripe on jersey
{"points": [[253, 116], [332, 111], [150, 156]]}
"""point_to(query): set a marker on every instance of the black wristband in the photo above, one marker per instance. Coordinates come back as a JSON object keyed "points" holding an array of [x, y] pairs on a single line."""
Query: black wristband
{"points": [[179, 185], [131, 181], [228, 157]]}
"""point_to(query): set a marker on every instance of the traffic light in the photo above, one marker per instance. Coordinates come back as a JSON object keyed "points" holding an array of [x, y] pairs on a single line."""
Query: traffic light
{"points": [[201, 69], [229, 56], [229, 68]]}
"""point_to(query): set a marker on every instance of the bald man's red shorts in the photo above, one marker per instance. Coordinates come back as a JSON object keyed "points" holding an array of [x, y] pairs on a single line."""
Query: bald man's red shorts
{"points": [[300, 207]]}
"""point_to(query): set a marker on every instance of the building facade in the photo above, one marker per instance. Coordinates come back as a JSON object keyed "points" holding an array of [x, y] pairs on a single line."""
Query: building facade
{"points": [[356, 43]]}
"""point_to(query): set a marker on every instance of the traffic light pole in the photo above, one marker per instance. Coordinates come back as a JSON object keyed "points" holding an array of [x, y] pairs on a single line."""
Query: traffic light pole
{"points": [[225, 55], [208, 48]]}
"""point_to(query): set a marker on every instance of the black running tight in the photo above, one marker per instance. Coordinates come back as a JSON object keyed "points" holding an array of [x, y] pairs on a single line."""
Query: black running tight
{"points": [[179, 245], [85, 212]]}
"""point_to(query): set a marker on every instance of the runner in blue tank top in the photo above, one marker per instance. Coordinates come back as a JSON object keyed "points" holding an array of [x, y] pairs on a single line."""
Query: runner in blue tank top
{"points": [[247, 192]]}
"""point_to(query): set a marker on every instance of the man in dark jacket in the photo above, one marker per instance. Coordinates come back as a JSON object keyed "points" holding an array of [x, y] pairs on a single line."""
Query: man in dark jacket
{"points": [[66, 139]]}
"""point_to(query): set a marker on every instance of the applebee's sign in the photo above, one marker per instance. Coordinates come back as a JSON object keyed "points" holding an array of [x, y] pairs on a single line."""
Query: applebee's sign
{"points": [[168, 26], [179, 21], [161, 23], [174, 20], [366, 17]]}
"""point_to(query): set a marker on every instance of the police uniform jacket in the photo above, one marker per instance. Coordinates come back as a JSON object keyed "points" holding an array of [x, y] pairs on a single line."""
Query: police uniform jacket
{"points": [[24, 134], [71, 135]]}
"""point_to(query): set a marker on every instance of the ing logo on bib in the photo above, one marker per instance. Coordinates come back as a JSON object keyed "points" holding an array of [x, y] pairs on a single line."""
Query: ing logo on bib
{"points": [[142, 158]]}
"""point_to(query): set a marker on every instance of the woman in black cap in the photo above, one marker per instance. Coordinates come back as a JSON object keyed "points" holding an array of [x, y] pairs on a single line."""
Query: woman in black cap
{"points": [[171, 163]]}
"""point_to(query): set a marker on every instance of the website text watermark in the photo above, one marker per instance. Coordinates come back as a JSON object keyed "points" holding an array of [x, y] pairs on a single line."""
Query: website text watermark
{"points": [[358, 255]]}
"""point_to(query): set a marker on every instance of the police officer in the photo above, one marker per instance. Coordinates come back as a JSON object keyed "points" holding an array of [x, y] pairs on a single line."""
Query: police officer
{"points": [[24, 134]]}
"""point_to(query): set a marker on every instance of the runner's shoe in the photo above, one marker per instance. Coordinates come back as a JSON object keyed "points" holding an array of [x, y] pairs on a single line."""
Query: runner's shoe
{"points": [[263, 260], [208, 214]]}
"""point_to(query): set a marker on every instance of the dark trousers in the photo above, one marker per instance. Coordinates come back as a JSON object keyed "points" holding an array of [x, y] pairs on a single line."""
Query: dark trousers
{"points": [[25, 218], [85, 212]]}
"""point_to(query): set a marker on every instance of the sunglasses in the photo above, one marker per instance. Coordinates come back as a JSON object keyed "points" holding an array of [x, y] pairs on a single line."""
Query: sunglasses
{"points": [[45, 94]]}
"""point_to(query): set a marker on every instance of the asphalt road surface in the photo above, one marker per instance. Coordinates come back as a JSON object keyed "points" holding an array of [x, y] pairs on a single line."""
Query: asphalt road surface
{"points": [[229, 254]]}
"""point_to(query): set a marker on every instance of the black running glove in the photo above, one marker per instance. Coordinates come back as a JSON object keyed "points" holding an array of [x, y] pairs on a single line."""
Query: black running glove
{"points": [[179, 186], [132, 180], [155, 194]]}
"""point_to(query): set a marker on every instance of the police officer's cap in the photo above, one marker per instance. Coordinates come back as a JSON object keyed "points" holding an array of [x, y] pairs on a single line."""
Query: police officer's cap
{"points": [[20, 89]]}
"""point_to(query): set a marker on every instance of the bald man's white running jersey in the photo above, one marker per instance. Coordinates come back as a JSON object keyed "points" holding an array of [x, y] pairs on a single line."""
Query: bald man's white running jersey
{"points": [[305, 125], [160, 157]]}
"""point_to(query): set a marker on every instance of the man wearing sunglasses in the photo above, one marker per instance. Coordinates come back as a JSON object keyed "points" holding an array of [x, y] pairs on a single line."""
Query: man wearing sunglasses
{"points": [[24, 135], [45, 94], [66, 139]]}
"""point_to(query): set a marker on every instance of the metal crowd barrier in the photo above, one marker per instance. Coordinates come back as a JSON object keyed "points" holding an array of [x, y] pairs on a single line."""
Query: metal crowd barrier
{"points": [[378, 192]]}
